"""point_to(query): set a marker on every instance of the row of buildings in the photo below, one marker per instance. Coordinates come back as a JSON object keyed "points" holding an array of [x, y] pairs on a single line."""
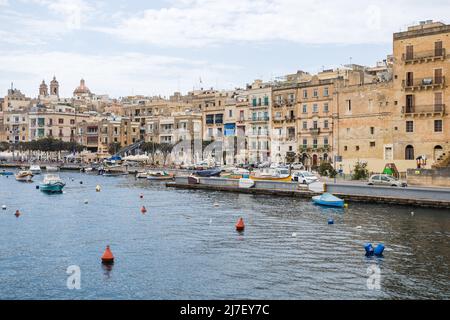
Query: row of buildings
{"points": [[394, 112]]}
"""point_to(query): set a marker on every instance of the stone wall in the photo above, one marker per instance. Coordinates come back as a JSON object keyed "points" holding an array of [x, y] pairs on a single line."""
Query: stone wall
{"points": [[429, 177]]}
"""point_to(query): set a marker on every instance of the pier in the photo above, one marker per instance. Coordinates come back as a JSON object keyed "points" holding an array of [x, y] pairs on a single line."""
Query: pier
{"points": [[410, 196]]}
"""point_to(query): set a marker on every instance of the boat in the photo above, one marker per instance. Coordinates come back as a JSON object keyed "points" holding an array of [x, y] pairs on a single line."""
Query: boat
{"points": [[246, 183], [327, 199], [142, 175], [52, 183], [193, 180], [236, 174], [51, 169], [208, 173], [270, 174], [24, 176], [6, 173], [159, 175], [35, 169]]}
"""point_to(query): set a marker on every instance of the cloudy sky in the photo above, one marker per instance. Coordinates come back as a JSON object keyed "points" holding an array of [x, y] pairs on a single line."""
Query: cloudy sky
{"points": [[142, 47]]}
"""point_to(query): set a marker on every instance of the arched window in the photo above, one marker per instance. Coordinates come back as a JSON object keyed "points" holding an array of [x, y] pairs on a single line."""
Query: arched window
{"points": [[325, 157], [409, 153], [438, 153]]}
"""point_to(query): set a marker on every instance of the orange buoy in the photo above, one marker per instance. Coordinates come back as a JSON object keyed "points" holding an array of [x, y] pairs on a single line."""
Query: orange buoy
{"points": [[240, 226], [17, 214], [107, 256], [143, 210]]}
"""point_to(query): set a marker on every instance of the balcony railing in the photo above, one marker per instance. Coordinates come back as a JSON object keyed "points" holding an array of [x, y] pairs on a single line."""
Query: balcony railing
{"points": [[257, 119], [424, 109], [424, 56], [314, 130], [424, 83]]}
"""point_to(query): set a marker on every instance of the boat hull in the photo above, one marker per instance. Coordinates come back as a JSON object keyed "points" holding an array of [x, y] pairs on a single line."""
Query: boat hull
{"points": [[25, 179], [52, 188], [286, 179], [154, 178], [328, 203], [6, 173]]}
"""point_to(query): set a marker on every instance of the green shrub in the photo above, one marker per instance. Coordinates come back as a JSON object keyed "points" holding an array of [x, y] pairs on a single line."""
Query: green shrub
{"points": [[326, 170], [360, 171]]}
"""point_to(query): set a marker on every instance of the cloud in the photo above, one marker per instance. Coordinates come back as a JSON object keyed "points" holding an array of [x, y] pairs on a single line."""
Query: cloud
{"points": [[117, 75], [197, 23]]}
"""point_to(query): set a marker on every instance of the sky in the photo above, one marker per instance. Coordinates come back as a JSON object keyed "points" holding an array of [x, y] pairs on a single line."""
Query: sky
{"points": [[157, 47]]}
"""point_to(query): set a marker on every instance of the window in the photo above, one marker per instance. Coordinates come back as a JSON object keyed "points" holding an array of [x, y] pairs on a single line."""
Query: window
{"points": [[357, 148], [305, 125], [325, 107], [266, 101], [372, 130], [325, 124], [349, 105], [315, 143], [315, 93], [437, 125], [325, 141], [290, 148], [72, 121], [305, 143], [305, 108], [315, 124], [409, 126], [230, 113], [409, 153], [315, 108], [305, 94], [325, 92], [210, 132], [372, 144], [61, 121]]}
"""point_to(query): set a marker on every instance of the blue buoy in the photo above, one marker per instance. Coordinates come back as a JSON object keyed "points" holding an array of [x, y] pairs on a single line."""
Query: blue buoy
{"points": [[330, 221], [37, 187], [369, 249], [379, 250]]}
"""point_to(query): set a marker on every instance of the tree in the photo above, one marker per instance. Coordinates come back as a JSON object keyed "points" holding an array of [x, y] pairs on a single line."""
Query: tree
{"points": [[4, 146], [360, 171], [165, 149], [327, 170], [151, 148], [114, 147]]}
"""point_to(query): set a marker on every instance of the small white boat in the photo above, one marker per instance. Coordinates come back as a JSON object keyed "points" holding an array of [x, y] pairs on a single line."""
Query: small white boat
{"points": [[24, 176], [35, 169], [142, 175], [51, 169]]}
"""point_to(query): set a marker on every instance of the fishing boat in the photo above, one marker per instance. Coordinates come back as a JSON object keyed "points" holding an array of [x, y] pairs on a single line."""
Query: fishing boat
{"points": [[270, 174], [327, 199], [159, 175], [24, 176], [6, 173], [208, 173], [35, 169], [52, 183], [236, 174]]}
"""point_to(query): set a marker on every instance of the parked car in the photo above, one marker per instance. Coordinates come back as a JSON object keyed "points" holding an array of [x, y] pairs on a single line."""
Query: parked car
{"points": [[386, 180], [304, 177], [297, 166]]}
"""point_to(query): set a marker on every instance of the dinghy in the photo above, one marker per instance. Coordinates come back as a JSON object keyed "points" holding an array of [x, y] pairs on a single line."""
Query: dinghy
{"points": [[328, 200]]}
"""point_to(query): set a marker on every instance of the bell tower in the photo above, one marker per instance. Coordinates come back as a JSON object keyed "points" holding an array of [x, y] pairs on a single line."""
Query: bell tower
{"points": [[43, 89], [54, 87]]}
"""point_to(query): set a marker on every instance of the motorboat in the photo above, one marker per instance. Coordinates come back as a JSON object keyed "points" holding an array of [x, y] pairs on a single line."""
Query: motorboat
{"points": [[159, 175], [51, 169], [52, 183], [24, 176], [270, 174], [35, 169], [208, 173], [327, 199], [6, 173]]}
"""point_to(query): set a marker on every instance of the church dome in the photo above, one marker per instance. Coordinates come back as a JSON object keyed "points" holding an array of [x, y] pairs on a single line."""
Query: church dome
{"points": [[82, 89]]}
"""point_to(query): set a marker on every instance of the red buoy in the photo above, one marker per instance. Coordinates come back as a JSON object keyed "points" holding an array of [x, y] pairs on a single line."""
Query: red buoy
{"points": [[107, 256], [240, 226], [17, 214], [143, 210]]}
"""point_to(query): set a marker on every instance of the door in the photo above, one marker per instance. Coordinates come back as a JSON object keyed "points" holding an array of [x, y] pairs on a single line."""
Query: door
{"points": [[410, 103], [438, 52], [409, 79], [409, 52], [438, 152], [438, 76], [438, 105], [385, 180]]}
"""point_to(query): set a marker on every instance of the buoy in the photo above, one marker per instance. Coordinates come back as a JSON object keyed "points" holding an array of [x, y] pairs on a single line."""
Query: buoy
{"points": [[330, 221], [216, 204], [379, 250], [81, 182], [143, 210], [3, 207], [240, 226], [412, 213], [98, 188], [346, 205], [294, 235], [86, 201], [141, 196], [369, 249], [107, 257], [17, 214], [358, 227], [37, 187]]}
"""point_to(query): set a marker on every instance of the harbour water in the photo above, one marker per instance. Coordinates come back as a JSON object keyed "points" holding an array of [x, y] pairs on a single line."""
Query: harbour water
{"points": [[185, 247]]}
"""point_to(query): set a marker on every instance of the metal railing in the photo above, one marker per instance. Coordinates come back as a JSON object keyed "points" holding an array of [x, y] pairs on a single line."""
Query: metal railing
{"points": [[438, 53], [423, 82], [436, 108]]}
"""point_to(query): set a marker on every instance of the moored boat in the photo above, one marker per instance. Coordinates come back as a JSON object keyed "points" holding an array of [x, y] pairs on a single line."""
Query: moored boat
{"points": [[159, 175], [208, 173], [24, 176], [51, 168], [278, 175], [52, 183], [35, 169], [6, 173], [327, 199]]}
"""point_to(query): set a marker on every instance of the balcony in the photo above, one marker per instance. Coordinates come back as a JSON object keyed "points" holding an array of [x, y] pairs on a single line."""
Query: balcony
{"points": [[424, 110], [424, 56], [259, 119], [314, 131], [290, 118], [424, 83]]}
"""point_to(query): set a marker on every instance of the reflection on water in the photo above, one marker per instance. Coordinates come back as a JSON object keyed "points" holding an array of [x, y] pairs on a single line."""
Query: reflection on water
{"points": [[186, 245]]}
